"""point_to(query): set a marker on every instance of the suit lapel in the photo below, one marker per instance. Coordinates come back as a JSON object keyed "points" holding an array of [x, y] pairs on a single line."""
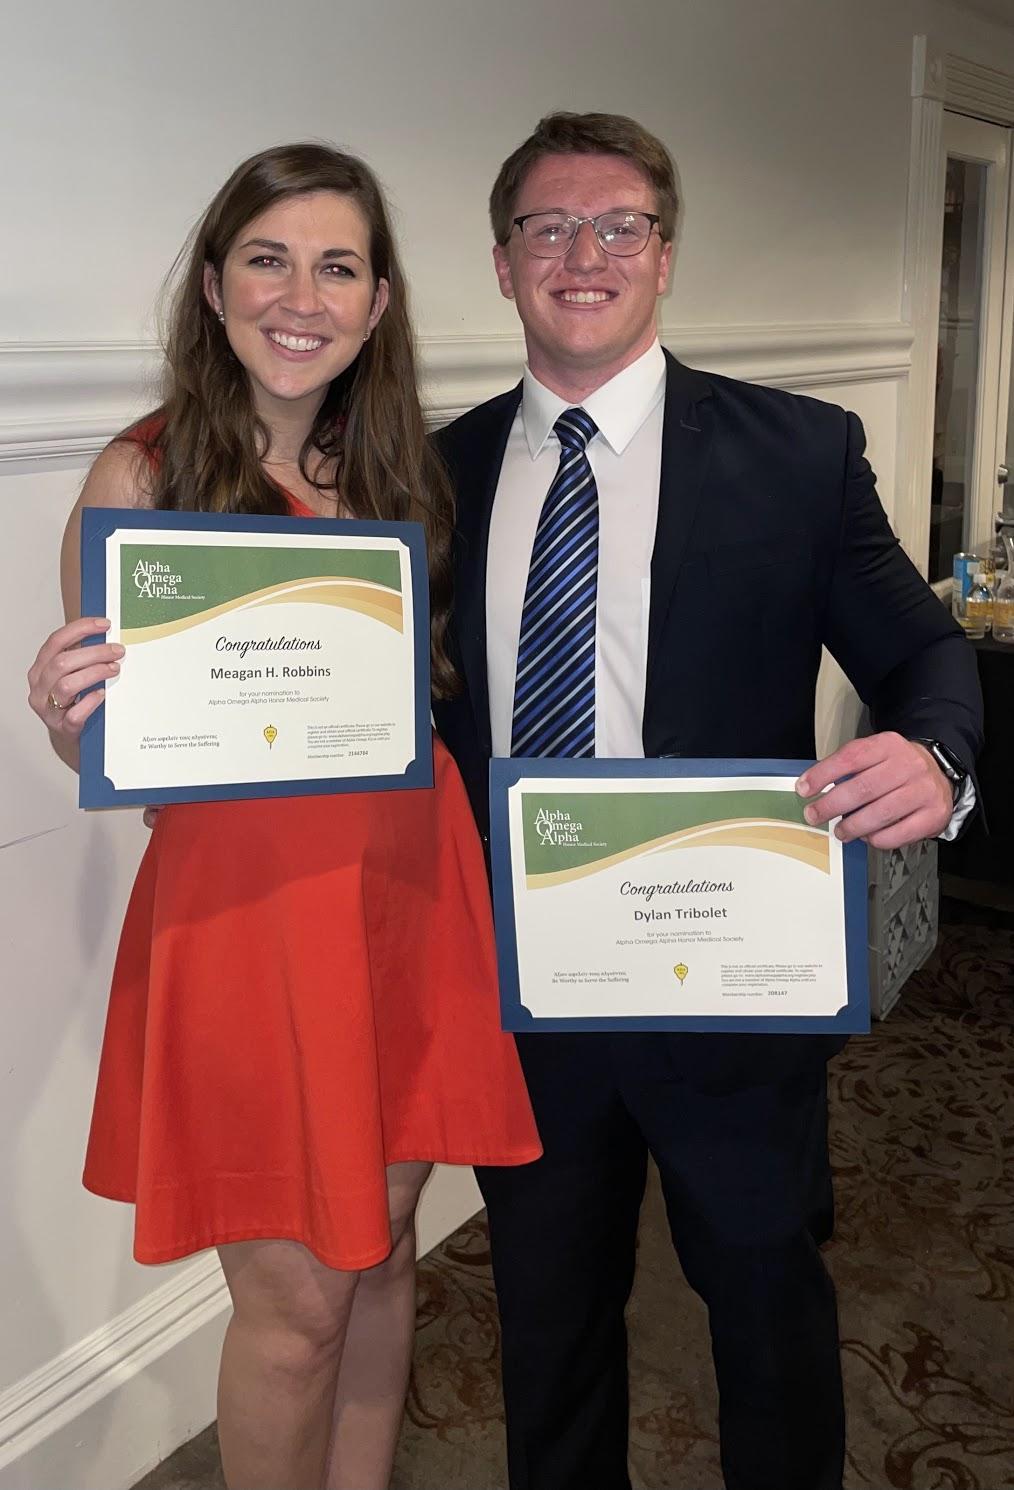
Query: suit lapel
{"points": [[479, 473], [686, 447]]}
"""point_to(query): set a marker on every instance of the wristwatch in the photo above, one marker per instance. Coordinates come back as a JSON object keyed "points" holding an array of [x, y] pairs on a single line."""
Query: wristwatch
{"points": [[948, 762]]}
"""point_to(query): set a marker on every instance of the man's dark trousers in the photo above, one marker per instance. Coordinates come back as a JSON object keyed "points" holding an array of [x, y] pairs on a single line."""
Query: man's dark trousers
{"points": [[747, 1190]]}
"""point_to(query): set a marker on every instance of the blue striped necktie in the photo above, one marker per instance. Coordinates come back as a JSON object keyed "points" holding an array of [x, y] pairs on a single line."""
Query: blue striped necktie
{"points": [[554, 690]]}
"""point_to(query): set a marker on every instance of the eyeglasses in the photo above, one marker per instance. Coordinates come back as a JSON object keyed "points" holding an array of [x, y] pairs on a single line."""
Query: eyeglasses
{"points": [[549, 235]]}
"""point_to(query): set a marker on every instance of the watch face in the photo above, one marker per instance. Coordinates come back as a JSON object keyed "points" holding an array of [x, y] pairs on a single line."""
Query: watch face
{"points": [[948, 763]]}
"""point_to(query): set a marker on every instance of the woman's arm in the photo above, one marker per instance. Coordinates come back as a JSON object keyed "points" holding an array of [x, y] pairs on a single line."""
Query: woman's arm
{"points": [[63, 668]]}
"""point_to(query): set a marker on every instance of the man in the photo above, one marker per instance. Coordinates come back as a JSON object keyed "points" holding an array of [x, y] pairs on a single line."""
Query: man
{"points": [[700, 539]]}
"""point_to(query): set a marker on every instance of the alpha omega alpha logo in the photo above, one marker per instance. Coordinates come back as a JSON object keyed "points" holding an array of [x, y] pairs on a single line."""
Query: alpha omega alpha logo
{"points": [[554, 827], [155, 581]]}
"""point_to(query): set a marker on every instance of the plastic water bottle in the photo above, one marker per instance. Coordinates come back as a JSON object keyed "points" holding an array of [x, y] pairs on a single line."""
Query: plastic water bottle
{"points": [[978, 606], [1003, 600]]}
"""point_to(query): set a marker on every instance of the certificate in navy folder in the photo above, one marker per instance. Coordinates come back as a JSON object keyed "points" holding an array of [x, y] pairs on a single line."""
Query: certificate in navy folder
{"points": [[673, 895], [264, 656]]}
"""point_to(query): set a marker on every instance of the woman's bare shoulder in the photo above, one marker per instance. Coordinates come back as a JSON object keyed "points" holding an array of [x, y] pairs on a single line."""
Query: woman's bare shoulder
{"points": [[119, 477]]}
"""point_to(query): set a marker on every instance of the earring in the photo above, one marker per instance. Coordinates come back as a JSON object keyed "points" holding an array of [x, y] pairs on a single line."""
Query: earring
{"points": [[221, 316], [366, 337]]}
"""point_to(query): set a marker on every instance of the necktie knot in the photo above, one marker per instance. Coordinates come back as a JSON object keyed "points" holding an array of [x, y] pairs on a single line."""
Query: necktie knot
{"points": [[574, 429]]}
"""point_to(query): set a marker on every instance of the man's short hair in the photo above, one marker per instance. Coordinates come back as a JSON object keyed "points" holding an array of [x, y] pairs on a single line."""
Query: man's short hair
{"points": [[587, 134]]}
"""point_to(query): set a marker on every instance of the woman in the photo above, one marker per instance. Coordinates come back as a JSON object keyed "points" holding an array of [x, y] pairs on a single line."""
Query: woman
{"points": [[303, 1012]]}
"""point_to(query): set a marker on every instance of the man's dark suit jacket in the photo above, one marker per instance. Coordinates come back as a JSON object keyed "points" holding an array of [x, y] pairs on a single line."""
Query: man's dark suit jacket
{"points": [[771, 542]]}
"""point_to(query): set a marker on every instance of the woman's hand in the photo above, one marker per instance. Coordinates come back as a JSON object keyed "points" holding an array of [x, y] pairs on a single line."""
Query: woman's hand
{"points": [[64, 669]]}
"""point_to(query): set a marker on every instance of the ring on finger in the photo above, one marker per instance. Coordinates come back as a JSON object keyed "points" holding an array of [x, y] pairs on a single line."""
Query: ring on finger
{"points": [[54, 703]]}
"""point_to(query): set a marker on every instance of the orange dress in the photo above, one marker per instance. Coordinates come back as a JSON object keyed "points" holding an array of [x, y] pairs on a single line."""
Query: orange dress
{"points": [[305, 992]]}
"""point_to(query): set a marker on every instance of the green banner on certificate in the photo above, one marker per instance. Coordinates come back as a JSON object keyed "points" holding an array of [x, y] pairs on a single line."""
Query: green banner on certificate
{"points": [[157, 588], [569, 835]]}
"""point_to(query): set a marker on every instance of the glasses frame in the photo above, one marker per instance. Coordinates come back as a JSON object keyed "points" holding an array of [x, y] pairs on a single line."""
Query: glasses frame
{"points": [[653, 222]]}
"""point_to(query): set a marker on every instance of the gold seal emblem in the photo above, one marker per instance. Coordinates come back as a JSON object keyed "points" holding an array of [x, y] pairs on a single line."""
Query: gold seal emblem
{"points": [[270, 734], [681, 971]]}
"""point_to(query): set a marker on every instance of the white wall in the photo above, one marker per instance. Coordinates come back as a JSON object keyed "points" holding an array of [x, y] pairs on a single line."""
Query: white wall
{"points": [[129, 117], [790, 120]]}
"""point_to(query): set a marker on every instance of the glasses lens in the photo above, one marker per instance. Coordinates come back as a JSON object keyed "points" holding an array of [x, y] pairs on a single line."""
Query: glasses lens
{"points": [[548, 234], [623, 232]]}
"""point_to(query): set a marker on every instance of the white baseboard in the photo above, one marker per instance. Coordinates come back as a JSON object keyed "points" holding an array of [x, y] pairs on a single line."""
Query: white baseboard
{"points": [[103, 1413]]}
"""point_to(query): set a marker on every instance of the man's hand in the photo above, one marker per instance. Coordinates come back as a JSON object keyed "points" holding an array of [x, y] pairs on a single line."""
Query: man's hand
{"points": [[895, 793]]}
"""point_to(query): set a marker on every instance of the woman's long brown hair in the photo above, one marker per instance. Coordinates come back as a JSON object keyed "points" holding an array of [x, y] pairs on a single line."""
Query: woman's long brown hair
{"points": [[207, 439]]}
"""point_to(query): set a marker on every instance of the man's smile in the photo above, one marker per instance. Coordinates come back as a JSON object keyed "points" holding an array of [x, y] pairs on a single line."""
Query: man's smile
{"points": [[584, 297]]}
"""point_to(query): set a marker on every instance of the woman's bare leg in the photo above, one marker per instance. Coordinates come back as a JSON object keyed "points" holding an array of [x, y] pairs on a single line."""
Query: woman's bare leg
{"points": [[373, 1380], [280, 1364]]}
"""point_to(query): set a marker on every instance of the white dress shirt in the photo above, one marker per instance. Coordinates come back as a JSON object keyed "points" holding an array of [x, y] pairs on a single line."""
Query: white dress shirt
{"points": [[626, 458]]}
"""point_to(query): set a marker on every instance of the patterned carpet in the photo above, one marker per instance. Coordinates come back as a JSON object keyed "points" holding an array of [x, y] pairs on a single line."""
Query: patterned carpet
{"points": [[923, 1147]]}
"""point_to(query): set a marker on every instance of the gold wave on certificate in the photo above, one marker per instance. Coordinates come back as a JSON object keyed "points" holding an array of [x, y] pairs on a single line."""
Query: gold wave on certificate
{"points": [[797, 841], [376, 601]]}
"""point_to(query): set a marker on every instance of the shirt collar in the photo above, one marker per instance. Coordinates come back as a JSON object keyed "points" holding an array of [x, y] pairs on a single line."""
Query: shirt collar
{"points": [[619, 407]]}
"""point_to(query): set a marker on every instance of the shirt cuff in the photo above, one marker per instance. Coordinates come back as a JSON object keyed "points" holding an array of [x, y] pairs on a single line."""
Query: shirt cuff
{"points": [[963, 809]]}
